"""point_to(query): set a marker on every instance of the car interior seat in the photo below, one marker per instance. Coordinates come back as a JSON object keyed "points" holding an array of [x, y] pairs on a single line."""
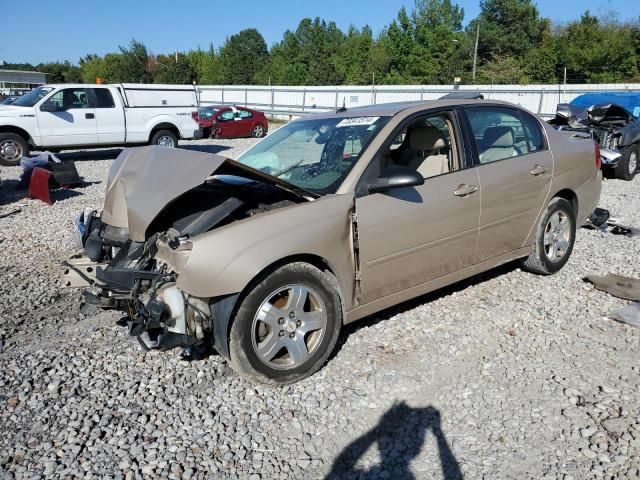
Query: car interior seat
{"points": [[429, 151], [498, 143]]}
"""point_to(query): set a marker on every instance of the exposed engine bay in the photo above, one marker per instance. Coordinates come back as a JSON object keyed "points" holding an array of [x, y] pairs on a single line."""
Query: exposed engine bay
{"points": [[610, 125], [139, 277]]}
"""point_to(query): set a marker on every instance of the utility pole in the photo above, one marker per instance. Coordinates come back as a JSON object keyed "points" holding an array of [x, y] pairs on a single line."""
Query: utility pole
{"points": [[564, 84], [475, 51]]}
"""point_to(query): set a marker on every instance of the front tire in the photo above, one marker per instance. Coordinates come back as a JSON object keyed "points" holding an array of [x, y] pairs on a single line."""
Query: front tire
{"points": [[286, 326], [628, 163], [554, 239], [12, 148], [164, 138]]}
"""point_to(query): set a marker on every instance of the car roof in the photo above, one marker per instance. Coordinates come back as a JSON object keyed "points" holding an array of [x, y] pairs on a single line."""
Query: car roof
{"points": [[391, 109]]}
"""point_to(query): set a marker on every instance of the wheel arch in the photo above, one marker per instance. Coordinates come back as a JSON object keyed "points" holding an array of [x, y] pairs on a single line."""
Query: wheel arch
{"points": [[164, 126], [18, 131], [570, 196], [224, 308]]}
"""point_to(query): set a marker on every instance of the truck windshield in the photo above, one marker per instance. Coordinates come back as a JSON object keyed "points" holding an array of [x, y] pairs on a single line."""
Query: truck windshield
{"points": [[314, 154], [33, 97]]}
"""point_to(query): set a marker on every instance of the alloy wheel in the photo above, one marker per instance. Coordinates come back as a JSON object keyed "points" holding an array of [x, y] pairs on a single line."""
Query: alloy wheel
{"points": [[557, 236], [633, 163], [258, 131], [289, 327]]}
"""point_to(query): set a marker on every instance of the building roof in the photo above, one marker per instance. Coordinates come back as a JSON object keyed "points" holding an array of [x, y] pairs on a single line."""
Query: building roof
{"points": [[23, 76]]}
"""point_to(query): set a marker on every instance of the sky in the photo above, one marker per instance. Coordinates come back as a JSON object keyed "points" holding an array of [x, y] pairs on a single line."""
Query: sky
{"points": [[42, 31]]}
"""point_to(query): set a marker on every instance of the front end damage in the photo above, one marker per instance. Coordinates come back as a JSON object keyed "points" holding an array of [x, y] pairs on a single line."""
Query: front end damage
{"points": [[610, 125], [133, 266]]}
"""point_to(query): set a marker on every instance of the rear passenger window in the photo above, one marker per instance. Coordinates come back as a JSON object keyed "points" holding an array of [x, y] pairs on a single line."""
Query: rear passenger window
{"points": [[498, 133], [244, 114], [226, 115], [103, 98], [534, 133]]}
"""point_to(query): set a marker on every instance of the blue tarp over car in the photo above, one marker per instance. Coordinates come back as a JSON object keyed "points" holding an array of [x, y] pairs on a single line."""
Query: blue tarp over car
{"points": [[629, 101]]}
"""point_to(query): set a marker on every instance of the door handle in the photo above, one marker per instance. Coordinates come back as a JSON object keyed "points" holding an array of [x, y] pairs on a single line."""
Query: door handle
{"points": [[538, 170], [463, 190], [89, 115]]}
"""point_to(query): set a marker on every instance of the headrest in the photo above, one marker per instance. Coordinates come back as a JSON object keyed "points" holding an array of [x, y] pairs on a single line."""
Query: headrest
{"points": [[426, 138], [498, 137]]}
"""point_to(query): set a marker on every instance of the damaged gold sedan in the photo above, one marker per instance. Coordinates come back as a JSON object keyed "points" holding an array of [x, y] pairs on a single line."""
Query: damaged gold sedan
{"points": [[329, 219]]}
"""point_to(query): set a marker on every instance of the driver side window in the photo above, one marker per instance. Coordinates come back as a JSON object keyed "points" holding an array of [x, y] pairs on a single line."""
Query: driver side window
{"points": [[70, 98], [426, 145]]}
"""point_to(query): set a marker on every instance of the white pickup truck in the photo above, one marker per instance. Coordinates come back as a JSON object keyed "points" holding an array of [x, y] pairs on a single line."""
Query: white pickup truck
{"points": [[67, 116]]}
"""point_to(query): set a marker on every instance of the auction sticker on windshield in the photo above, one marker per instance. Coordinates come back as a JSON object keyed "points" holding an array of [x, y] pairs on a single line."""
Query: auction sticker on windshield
{"points": [[357, 121]]}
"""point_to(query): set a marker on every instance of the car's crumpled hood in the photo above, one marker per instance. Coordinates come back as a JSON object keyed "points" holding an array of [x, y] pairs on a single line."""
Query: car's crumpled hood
{"points": [[576, 116], [143, 181]]}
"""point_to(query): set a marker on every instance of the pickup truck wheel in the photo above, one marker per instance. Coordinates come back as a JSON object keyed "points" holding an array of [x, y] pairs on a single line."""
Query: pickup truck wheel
{"points": [[286, 326], [12, 148], [628, 163], [165, 138], [554, 239]]}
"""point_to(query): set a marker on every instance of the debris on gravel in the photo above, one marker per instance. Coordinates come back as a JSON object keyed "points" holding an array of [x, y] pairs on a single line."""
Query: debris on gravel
{"points": [[503, 375]]}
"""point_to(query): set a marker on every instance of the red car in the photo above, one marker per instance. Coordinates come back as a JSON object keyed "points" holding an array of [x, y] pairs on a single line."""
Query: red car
{"points": [[222, 121]]}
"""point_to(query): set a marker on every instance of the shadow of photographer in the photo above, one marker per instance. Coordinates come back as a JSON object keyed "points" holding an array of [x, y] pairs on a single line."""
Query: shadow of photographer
{"points": [[400, 435]]}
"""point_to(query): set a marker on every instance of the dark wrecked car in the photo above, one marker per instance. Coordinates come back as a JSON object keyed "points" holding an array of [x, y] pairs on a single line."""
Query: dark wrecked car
{"points": [[611, 119], [329, 219]]}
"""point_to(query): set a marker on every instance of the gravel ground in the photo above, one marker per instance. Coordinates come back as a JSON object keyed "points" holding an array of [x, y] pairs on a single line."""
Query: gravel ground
{"points": [[507, 375]]}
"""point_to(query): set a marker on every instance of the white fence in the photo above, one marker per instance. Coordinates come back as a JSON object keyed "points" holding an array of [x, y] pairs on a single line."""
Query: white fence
{"points": [[296, 101]]}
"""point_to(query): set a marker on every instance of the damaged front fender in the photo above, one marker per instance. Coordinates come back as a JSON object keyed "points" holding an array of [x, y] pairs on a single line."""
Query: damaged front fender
{"points": [[223, 261]]}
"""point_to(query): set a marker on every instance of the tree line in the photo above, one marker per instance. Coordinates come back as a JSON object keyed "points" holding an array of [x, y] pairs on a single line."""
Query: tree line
{"points": [[424, 45]]}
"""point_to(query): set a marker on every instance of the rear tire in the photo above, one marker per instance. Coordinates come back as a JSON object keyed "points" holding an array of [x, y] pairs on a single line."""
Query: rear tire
{"points": [[12, 148], [554, 239], [164, 138], [258, 131], [287, 325], [628, 163]]}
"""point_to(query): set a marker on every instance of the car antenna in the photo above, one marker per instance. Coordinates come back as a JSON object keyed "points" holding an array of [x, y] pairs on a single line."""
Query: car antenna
{"points": [[343, 108]]}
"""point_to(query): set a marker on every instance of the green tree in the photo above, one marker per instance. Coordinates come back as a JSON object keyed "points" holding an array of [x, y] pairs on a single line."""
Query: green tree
{"points": [[206, 66], [353, 59], [285, 66], [242, 56], [399, 41], [542, 63], [92, 68], [508, 27], [175, 69], [437, 27], [308, 56], [594, 51], [60, 72], [131, 64], [502, 69]]}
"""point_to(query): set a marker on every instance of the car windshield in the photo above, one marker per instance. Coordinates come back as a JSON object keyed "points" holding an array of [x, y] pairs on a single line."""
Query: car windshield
{"points": [[314, 154], [33, 97]]}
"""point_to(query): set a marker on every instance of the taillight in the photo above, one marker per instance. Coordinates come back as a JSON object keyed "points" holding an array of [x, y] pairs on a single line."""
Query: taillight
{"points": [[598, 156], [195, 116]]}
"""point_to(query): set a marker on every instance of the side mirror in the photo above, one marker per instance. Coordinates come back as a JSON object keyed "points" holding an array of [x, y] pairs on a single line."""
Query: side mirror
{"points": [[396, 176], [49, 107]]}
